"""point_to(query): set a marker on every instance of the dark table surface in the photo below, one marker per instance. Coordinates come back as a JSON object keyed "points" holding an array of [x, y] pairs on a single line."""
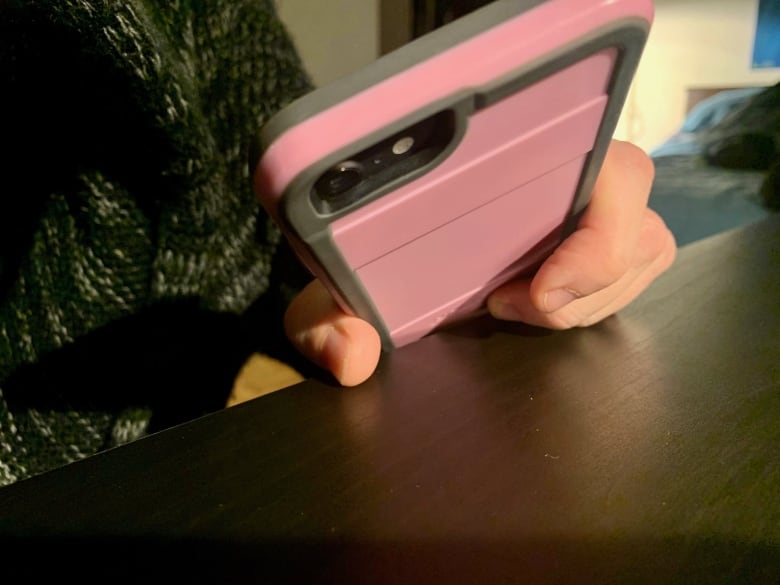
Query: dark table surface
{"points": [[643, 449]]}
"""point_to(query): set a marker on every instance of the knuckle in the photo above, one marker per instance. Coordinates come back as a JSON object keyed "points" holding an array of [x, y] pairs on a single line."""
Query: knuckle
{"points": [[639, 160], [615, 262]]}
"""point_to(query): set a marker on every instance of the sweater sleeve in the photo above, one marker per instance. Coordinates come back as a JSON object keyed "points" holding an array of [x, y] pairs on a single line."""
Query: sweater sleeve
{"points": [[131, 246]]}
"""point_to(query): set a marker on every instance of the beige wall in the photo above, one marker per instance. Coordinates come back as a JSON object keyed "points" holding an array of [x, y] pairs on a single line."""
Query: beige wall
{"points": [[334, 37], [704, 43]]}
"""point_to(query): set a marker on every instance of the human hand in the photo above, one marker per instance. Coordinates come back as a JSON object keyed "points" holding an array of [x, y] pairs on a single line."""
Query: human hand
{"points": [[618, 249]]}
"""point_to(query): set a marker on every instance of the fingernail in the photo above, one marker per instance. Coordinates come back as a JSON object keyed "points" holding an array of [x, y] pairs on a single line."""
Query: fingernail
{"points": [[557, 299]]}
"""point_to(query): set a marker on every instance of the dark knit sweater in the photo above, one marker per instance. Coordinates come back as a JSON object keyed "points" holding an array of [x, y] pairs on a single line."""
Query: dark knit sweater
{"points": [[137, 271]]}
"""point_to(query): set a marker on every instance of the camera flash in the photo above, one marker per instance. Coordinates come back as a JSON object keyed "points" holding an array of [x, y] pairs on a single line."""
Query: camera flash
{"points": [[403, 146]]}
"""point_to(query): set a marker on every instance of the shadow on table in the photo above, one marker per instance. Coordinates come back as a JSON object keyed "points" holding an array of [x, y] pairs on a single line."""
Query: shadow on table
{"points": [[344, 560]]}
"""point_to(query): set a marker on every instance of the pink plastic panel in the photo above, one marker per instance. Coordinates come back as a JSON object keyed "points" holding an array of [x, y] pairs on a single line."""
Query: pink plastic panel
{"points": [[445, 269]]}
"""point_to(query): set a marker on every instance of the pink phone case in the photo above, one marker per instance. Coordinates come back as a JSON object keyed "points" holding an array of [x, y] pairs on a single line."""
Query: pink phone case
{"points": [[530, 93]]}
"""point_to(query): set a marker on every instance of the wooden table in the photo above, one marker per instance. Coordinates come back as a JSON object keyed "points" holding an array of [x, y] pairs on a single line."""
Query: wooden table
{"points": [[644, 449]]}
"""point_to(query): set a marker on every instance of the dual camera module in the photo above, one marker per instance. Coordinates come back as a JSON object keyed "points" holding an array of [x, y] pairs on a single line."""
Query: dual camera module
{"points": [[402, 156]]}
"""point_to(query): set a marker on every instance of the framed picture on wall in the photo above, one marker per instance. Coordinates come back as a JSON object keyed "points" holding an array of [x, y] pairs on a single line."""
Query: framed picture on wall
{"points": [[766, 46]]}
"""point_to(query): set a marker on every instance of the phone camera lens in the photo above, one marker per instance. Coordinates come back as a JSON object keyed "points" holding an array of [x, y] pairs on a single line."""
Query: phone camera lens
{"points": [[339, 179]]}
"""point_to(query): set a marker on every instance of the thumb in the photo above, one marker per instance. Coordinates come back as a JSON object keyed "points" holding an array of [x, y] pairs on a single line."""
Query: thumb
{"points": [[348, 347]]}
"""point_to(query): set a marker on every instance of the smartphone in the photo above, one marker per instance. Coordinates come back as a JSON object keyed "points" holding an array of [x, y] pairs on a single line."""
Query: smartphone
{"points": [[416, 186]]}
